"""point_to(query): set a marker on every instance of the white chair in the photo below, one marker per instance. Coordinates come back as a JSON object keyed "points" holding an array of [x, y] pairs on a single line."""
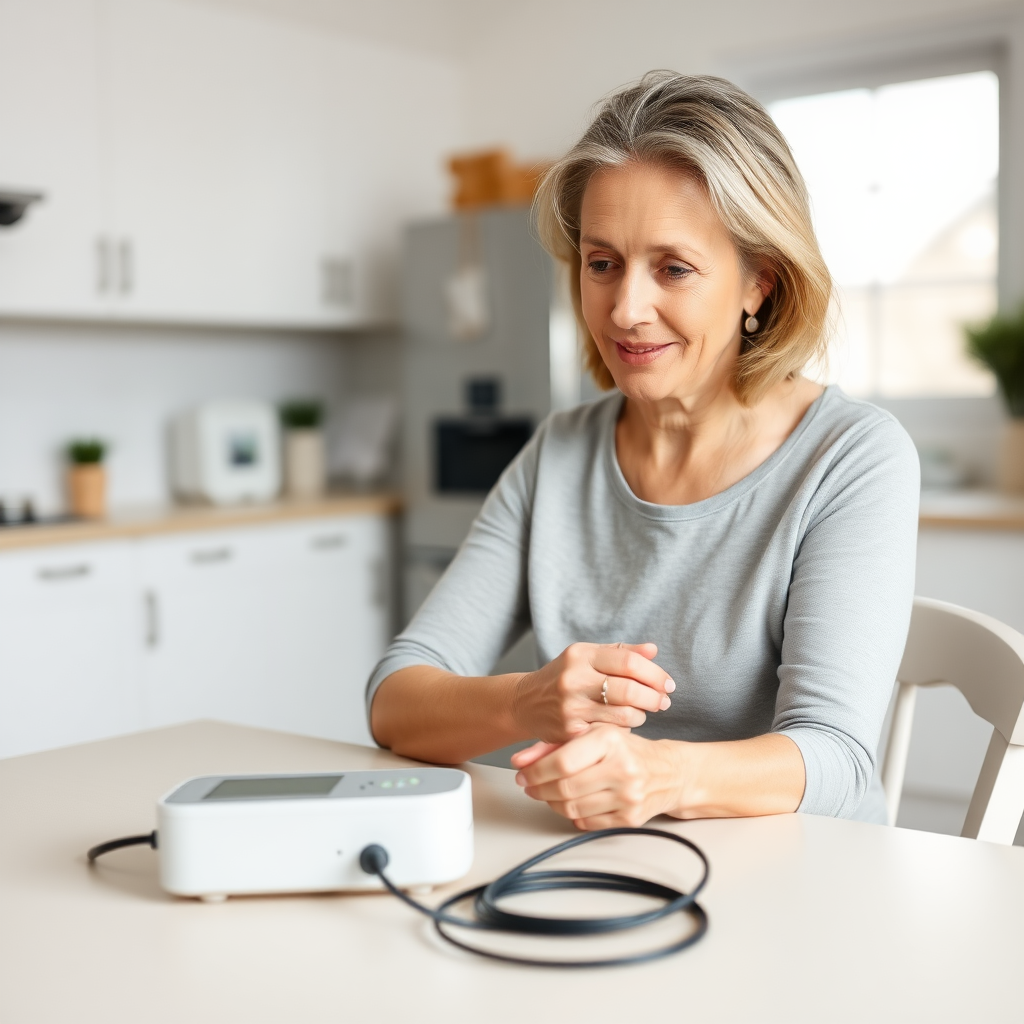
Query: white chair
{"points": [[984, 660]]}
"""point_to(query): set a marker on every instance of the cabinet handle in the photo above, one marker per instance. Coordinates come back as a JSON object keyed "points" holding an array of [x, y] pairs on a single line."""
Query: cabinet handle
{"points": [[59, 573], [103, 267], [126, 266], [329, 542], [211, 556], [152, 610]]}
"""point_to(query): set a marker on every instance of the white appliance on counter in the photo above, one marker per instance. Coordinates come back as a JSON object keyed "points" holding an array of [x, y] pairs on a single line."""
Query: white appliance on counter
{"points": [[225, 452]]}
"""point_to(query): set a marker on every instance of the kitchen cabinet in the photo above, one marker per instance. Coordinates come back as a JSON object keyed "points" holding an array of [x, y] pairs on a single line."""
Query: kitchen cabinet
{"points": [[69, 669], [216, 164], [49, 126], [208, 165], [276, 626]]}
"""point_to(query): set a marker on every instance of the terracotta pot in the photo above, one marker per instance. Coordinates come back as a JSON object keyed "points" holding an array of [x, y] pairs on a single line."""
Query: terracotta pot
{"points": [[1011, 458], [87, 490], [305, 472]]}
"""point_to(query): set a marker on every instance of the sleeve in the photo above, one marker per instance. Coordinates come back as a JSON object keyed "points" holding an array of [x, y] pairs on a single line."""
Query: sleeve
{"points": [[479, 607], [848, 614]]}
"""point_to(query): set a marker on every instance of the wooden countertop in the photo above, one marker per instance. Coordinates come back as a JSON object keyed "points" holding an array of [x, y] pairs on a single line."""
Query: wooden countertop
{"points": [[976, 509], [926, 926], [972, 510], [148, 522]]}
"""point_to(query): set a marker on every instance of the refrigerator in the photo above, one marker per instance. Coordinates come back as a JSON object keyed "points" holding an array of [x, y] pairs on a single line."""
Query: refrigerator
{"points": [[491, 348]]}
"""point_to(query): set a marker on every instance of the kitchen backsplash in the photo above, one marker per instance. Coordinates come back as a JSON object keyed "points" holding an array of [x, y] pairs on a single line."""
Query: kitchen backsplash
{"points": [[122, 383]]}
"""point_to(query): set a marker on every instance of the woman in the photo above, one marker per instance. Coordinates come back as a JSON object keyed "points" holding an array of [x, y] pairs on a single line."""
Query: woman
{"points": [[717, 560]]}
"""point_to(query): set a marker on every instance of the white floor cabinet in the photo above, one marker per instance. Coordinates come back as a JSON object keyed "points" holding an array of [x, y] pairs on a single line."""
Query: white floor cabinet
{"points": [[69, 671], [275, 626]]}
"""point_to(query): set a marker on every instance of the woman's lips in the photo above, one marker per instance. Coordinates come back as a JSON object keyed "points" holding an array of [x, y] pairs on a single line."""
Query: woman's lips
{"points": [[638, 355]]}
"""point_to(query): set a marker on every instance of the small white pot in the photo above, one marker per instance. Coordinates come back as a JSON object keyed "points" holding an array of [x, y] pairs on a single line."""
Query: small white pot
{"points": [[1011, 458], [305, 473]]}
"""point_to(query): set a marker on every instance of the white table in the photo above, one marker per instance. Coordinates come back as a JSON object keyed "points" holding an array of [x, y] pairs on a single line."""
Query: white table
{"points": [[811, 919]]}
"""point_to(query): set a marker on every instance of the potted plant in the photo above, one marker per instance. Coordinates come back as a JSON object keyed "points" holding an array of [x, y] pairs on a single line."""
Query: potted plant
{"points": [[87, 478], [305, 462], [999, 344]]}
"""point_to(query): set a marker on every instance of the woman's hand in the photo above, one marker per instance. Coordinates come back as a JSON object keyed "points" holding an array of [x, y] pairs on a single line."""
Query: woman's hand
{"points": [[567, 696], [603, 779], [608, 777]]}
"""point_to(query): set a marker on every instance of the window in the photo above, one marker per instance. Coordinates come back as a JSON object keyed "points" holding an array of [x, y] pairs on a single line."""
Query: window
{"points": [[902, 180]]}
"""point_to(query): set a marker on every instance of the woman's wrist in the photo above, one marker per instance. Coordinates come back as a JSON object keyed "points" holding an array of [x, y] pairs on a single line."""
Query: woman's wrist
{"points": [[761, 775], [517, 704], [673, 779]]}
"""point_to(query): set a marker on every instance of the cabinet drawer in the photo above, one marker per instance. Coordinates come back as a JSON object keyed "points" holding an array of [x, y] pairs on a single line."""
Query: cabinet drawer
{"points": [[65, 572]]}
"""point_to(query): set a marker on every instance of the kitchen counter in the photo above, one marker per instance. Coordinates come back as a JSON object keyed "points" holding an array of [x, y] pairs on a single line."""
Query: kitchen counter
{"points": [[972, 510], [148, 522]]}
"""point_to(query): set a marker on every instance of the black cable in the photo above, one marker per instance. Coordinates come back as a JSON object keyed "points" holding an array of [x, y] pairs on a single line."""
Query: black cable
{"points": [[490, 917], [116, 844]]}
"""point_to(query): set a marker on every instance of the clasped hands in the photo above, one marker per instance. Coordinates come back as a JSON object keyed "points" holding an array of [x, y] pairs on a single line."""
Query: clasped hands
{"points": [[588, 766]]}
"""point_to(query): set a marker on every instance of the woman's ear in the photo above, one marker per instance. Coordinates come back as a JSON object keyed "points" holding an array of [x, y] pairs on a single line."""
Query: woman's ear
{"points": [[761, 286]]}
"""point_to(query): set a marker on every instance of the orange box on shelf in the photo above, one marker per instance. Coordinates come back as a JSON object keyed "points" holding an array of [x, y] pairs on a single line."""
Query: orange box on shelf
{"points": [[492, 178]]}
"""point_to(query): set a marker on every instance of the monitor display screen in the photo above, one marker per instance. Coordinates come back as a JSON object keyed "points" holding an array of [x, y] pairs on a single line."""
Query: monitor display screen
{"points": [[289, 786]]}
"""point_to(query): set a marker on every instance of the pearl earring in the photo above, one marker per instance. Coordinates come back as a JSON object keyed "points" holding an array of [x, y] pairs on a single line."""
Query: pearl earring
{"points": [[751, 324]]}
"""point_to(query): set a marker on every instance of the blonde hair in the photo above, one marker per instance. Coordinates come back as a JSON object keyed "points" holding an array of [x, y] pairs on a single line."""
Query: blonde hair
{"points": [[714, 131]]}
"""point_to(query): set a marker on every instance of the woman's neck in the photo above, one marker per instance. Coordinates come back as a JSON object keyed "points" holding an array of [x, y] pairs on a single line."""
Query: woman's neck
{"points": [[676, 451]]}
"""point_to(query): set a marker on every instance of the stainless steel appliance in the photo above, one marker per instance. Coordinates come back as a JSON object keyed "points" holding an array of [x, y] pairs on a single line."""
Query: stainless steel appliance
{"points": [[491, 349]]}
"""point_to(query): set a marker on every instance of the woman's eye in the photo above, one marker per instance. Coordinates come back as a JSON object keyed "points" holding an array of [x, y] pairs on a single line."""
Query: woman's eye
{"points": [[675, 272], [599, 266]]}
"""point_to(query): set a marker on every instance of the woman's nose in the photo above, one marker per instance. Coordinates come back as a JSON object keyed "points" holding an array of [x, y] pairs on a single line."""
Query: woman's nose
{"points": [[634, 300]]}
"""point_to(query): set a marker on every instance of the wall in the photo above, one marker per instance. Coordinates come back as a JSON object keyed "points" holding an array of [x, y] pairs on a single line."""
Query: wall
{"points": [[123, 383], [541, 65]]}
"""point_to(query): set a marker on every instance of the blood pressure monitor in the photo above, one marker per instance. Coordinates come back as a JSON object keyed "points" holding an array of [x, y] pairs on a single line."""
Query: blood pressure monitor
{"points": [[222, 835]]}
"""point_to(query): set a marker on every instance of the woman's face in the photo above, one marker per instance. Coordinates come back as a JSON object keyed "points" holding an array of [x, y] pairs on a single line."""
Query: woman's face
{"points": [[662, 287]]}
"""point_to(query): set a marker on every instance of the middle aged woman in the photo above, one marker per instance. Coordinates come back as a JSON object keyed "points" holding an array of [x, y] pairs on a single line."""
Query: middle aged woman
{"points": [[717, 560]]}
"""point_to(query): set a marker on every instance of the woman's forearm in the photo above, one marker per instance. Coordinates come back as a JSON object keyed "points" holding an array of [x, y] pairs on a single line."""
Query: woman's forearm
{"points": [[737, 778], [433, 715], [430, 714]]}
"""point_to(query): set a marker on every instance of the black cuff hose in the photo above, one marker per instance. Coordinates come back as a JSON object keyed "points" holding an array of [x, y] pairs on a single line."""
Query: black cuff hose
{"points": [[490, 917]]}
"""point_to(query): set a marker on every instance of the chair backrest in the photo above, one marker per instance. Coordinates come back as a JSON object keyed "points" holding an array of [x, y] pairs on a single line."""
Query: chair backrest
{"points": [[984, 659]]}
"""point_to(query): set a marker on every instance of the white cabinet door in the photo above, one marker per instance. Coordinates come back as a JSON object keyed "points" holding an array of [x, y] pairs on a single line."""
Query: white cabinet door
{"points": [[69, 645], [50, 142], [216, 123], [333, 624], [276, 627], [208, 606]]}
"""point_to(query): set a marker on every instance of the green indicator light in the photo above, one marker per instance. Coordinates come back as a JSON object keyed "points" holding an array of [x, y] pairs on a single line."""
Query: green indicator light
{"points": [[386, 784], [414, 781], [400, 783]]}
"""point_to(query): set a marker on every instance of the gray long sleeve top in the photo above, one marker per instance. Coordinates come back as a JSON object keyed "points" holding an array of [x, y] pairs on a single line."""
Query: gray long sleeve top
{"points": [[779, 605]]}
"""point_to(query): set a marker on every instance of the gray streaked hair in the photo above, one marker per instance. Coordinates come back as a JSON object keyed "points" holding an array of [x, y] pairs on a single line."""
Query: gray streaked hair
{"points": [[711, 129]]}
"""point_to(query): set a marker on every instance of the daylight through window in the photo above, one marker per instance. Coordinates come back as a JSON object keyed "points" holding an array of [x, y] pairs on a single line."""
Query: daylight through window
{"points": [[902, 181]]}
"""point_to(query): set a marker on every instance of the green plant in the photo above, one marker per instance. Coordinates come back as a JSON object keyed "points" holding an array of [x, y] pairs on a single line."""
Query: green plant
{"points": [[86, 451], [304, 414], [999, 344]]}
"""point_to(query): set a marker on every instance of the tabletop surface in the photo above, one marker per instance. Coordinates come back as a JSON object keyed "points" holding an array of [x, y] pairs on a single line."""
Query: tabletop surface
{"points": [[811, 918]]}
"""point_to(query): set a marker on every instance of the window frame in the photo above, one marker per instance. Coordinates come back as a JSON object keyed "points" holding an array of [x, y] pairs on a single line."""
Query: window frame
{"points": [[988, 43]]}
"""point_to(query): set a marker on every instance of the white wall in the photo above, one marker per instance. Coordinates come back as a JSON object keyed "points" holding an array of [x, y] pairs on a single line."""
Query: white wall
{"points": [[542, 63], [123, 383]]}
